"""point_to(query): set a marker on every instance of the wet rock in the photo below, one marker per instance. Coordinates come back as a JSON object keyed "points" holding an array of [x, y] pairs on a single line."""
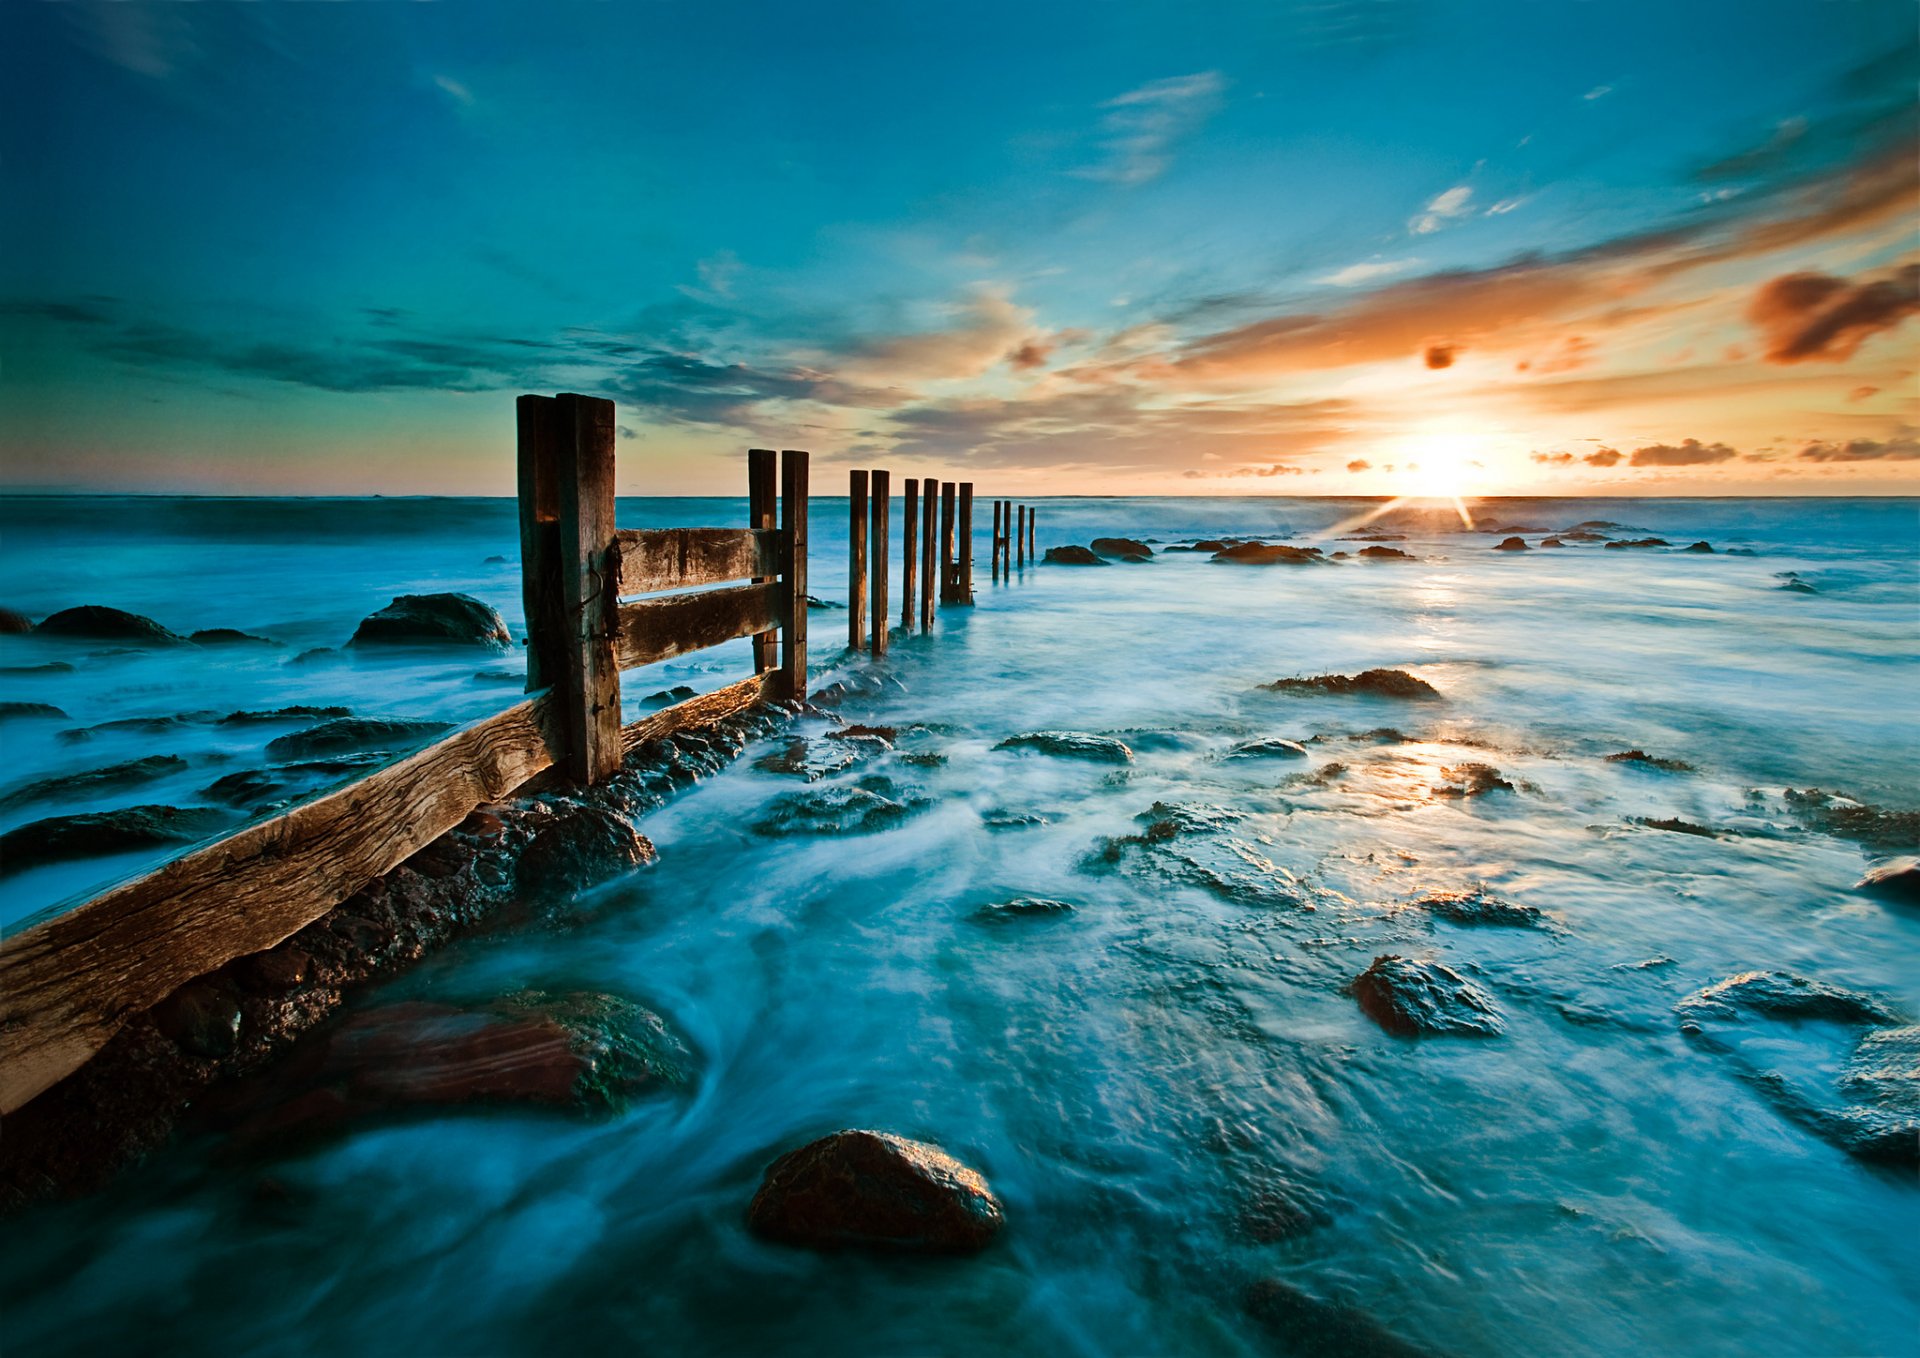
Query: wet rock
{"points": [[43, 711], [1073, 556], [51, 667], [1413, 998], [1268, 749], [146, 726], [871, 805], [1698, 547], [1023, 907], [94, 834], [1199, 845], [581, 848], [1849, 819], [1013, 820], [496, 561], [1477, 907], [876, 1191], [1512, 545], [1644, 760], [297, 712], [1881, 1083], [1385, 554], [275, 971], [257, 789], [1894, 877], [500, 676], [1638, 542], [1581, 535], [433, 620], [799, 758], [228, 636], [315, 655], [1307, 1325], [1471, 780], [13, 623], [1782, 995], [1269, 554], [1126, 549], [856, 731], [666, 697], [348, 734], [1209, 545], [201, 1019], [1282, 1212], [95, 781], [1673, 825], [1371, 683], [1791, 582], [1551, 542], [1071, 745], [814, 602], [91, 622]]}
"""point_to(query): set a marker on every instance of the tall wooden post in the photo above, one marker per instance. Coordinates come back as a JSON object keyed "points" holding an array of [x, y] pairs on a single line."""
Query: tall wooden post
{"points": [[948, 494], [909, 548], [1021, 541], [879, 531], [762, 494], [589, 584], [856, 560], [1033, 553], [996, 540], [965, 588], [928, 536], [538, 418], [793, 519]]}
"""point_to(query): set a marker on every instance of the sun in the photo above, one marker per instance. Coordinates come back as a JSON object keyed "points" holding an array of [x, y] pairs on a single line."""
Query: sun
{"points": [[1439, 465]]}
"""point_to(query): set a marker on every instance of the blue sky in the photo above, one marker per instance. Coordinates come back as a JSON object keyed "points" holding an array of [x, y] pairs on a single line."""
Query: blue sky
{"points": [[1350, 246]]}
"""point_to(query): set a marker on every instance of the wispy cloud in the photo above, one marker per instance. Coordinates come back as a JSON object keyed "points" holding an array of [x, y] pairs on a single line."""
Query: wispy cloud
{"points": [[1597, 92], [1368, 271], [454, 90], [1142, 125], [1444, 208]]}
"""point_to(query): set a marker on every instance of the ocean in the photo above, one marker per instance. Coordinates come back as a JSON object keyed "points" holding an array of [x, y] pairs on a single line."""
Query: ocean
{"points": [[1171, 1087]]}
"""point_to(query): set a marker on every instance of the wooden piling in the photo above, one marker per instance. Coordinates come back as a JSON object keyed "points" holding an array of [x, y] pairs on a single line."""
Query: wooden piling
{"points": [[1033, 553], [762, 495], [909, 548], [539, 431], [589, 570], [949, 493], [879, 532], [856, 560], [964, 588], [928, 545], [1020, 538], [793, 518]]}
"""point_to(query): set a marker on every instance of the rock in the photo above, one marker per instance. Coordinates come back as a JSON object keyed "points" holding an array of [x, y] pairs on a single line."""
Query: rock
{"points": [[1413, 998], [666, 697], [298, 712], [1894, 877], [256, 789], [433, 620], [201, 1019], [1512, 545], [347, 734], [1471, 780], [275, 971], [871, 805], [94, 781], [1698, 547], [51, 667], [1477, 907], [1898, 831], [1782, 995], [499, 676], [1269, 554], [1581, 535], [1639, 542], [1307, 1325], [496, 560], [873, 1190], [1882, 1085], [1673, 825], [1384, 554], [1645, 760], [13, 623], [1023, 907], [581, 848], [818, 603], [1125, 548], [1551, 542], [45, 711], [315, 656], [1372, 683], [1798, 587], [1073, 556], [1071, 745], [1607, 525], [1268, 749], [1209, 545], [93, 834], [91, 622], [855, 731], [800, 758], [227, 636]]}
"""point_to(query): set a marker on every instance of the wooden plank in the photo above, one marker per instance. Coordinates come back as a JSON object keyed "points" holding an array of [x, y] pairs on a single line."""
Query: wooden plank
{"points": [[909, 549], [763, 494], [538, 419], [948, 495], [793, 520], [589, 690], [654, 559], [647, 630], [964, 588], [880, 530], [856, 560], [69, 983], [928, 536], [697, 712]]}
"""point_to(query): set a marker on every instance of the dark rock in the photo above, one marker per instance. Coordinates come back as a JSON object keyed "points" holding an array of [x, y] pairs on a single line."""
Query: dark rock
{"points": [[1674, 825], [201, 1019], [1849, 819], [13, 623], [799, 758], [1581, 535], [1782, 995], [500, 676], [93, 834], [1023, 907], [1073, 556], [348, 734], [256, 789], [95, 781], [666, 697], [275, 971], [91, 622], [1385, 554], [1413, 998], [581, 848], [871, 805], [315, 656], [1125, 548], [1551, 542], [1699, 547], [1512, 545], [872, 1190], [1507, 528], [227, 636], [1209, 545], [298, 712], [496, 560], [51, 667], [1793, 584], [1477, 907], [815, 602], [1269, 554], [1307, 1325], [855, 731], [1283, 1212], [1741, 551], [1894, 877], [45, 711], [1373, 683], [1606, 525], [1645, 760], [146, 726], [1639, 542], [433, 620], [1071, 745], [1339, 556], [1269, 749], [1472, 780]]}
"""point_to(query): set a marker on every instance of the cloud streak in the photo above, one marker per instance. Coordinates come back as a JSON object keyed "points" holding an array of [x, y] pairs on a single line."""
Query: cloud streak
{"points": [[1142, 126]]}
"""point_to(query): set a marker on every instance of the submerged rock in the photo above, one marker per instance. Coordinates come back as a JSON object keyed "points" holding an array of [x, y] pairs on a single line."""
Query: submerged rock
{"points": [[92, 622], [1024, 907], [822, 605], [800, 758], [1127, 549], [1477, 907], [94, 834], [1895, 877], [1307, 1325], [1849, 819], [433, 620], [1269, 554], [1782, 995], [1071, 745], [347, 734], [1881, 1083], [1385, 554], [1698, 547], [43, 711], [1551, 542], [228, 636], [1639, 542], [95, 781], [297, 712], [259, 789], [1512, 545], [872, 804], [1372, 683], [1645, 760], [873, 1190], [1413, 998], [1796, 585], [1673, 825], [50, 667], [1073, 556], [13, 623], [1472, 780], [581, 847], [1275, 748]]}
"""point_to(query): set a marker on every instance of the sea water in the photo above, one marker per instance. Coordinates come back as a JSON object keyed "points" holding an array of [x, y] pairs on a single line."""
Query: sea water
{"points": [[1139, 1077]]}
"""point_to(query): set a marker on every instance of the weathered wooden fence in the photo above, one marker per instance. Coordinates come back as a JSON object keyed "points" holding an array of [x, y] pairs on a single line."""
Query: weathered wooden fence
{"points": [[68, 983], [939, 559]]}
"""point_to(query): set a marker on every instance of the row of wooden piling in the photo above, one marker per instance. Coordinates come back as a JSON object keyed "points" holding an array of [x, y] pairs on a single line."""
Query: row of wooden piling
{"points": [[936, 550], [1013, 537]]}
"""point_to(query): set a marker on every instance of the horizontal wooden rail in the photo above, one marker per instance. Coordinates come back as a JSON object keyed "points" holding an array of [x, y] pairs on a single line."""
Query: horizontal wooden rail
{"points": [[659, 629], [654, 559], [702, 711], [68, 983]]}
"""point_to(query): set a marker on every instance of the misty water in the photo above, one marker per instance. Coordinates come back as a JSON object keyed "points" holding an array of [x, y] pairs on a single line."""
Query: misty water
{"points": [[1143, 1079]]}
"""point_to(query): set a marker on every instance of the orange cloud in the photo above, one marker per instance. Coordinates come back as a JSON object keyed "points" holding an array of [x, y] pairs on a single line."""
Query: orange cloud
{"points": [[1441, 355], [1691, 453], [1817, 316]]}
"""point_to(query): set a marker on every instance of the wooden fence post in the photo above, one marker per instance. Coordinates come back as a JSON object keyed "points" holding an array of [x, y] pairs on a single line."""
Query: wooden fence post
{"points": [[909, 549], [856, 560], [1033, 552], [948, 494], [538, 420], [793, 518], [996, 539], [965, 587], [928, 534], [879, 531], [762, 492], [589, 586], [1020, 538]]}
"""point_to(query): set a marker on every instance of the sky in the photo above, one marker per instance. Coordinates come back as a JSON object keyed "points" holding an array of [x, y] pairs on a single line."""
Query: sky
{"points": [[1324, 247]]}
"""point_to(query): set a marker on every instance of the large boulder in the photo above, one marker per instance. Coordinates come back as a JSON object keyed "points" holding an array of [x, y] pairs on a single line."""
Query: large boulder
{"points": [[1269, 554], [92, 622], [1275, 748], [13, 623], [1071, 745], [1782, 995], [579, 849], [1410, 997], [345, 735], [1126, 549], [873, 1190], [1512, 545], [1894, 877], [1372, 683], [1385, 554], [228, 636], [1073, 556], [94, 834], [433, 620]]}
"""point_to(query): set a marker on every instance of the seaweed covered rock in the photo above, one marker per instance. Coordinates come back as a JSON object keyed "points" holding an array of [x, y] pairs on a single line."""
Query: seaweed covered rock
{"points": [[580, 848], [1782, 995], [872, 1190], [228, 636], [93, 622], [1410, 997], [1126, 549], [433, 620], [41, 711], [1642, 759], [1073, 555], [1369, 683], [1873, 826], [94, 834], [1477, 907], [1269, 554], [346, 735], [1275, 748], [1023, 907], [1071, 745], [872, 804], [1471, 780]]}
